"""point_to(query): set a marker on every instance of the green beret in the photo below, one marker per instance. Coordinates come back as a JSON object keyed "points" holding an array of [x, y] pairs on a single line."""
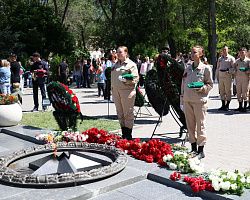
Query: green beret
{"points": [[195, 85], [128, 76], [243, 69]]}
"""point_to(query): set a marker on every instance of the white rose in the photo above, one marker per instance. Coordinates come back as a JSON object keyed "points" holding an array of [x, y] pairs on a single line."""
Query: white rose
{"points": [[172, 166], [167, 158], [232, 176], [225, 185], [234, 186], [248, 180], [216, 185], [243, 180]]}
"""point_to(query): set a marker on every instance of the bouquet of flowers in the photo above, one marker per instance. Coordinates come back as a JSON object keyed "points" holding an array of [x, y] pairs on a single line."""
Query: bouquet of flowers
{"points": [[229, 182], [181, 161], [8, 99]]}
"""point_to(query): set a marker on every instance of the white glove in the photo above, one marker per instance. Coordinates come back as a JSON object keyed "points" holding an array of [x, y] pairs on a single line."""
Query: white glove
{"points": [[122, 79], [182, 107]]}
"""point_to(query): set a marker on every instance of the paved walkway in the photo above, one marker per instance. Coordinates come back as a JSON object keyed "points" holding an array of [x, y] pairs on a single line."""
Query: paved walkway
{"points": [[228, 132]]}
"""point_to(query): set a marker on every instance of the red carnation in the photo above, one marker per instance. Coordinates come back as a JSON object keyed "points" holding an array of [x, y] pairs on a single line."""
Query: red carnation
{"points": [[70, 92], [75, 99], [195, 187]]}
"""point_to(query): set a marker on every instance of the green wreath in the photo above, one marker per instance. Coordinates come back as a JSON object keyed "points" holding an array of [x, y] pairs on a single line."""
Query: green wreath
{"points": [[66, 105]]}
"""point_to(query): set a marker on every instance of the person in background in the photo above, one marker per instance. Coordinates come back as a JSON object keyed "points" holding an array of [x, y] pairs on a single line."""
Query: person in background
{"points": [[194, 100], [39, 71], [15, 72], [241, 68], [78, 73], [112, 58], [248, 108], [123, 90], [21, 73], [143, 70], [225, 67], [100, 81], [5, 76], [63, 71], [86, 73]]}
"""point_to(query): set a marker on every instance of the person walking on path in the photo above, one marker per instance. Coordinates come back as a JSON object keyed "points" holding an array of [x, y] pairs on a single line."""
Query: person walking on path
{"points": [[100, 81], [15, 72], [63, 71], [241, 68], [5, 76], [39, 70], [194, 99], [225, 69], [123, 90]]}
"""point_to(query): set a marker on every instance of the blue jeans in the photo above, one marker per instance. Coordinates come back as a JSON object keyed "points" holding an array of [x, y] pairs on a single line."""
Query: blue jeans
{"points": [[5, 88]]}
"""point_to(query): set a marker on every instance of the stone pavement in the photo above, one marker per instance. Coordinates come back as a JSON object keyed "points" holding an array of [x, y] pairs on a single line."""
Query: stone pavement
{"points": [[227, 148]]}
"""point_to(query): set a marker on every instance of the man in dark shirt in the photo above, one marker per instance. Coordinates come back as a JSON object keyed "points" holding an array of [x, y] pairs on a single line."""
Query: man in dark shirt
{"points": [[39, 72], [86, 68], [15, 71], [63, 71]]}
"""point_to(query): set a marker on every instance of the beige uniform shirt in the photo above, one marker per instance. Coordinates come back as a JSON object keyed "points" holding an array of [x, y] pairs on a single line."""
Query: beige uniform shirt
{"points": [[121, 68], [203, 73], [226, 63], [242, 63]]}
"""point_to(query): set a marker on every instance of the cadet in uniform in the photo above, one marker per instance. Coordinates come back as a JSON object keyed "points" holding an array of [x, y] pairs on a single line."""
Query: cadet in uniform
{"points": [[195, 100], [225, 70], [248, 56], [242, 66], [123, 90]]}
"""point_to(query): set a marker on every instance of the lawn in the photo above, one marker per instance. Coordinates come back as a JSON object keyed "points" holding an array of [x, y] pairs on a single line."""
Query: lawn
{"points": [[46, 120]]}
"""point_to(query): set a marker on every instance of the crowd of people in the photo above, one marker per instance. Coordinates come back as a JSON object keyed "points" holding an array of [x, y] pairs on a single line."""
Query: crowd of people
{"points": [[108, 70]]}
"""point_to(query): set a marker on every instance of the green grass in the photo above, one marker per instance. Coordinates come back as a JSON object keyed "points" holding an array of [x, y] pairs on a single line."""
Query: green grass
{"points": [[46, 120]]}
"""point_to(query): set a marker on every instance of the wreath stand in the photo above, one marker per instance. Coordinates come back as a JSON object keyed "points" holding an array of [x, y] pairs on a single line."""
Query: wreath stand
{"points": [[145, 105], [175, 116]]}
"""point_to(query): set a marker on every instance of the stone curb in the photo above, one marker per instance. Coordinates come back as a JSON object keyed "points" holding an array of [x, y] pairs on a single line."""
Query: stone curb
{"points": [[21, 136]]}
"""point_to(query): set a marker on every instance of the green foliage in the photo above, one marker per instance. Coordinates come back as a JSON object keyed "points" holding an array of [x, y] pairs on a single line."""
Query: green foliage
{"points": [[144, 50], [54, 63], [35, 28]]}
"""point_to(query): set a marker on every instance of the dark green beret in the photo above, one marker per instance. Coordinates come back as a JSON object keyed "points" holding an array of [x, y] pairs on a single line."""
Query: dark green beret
{"points": [[195, 85], [128, 76]]}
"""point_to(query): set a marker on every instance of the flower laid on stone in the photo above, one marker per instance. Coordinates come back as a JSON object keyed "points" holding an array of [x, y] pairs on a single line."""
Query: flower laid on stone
{"points": [[175, 176], [8, 99], [230, 182], [151, 151], [198, 183], [183, 162], [60, 136]]}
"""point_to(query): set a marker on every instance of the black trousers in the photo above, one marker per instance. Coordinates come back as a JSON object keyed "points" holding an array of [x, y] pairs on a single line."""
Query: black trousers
{"points": [[41, 84], [63, 78], [86, 81], [107, 92], [100, 88]]}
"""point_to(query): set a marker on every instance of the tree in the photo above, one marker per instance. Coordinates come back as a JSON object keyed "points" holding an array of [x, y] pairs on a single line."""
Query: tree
{"points": [[36, 29]]}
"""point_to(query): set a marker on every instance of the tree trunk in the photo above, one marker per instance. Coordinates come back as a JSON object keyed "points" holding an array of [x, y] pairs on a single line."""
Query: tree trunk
{"points": [[65, 11], [213, 34], [55, 7]]}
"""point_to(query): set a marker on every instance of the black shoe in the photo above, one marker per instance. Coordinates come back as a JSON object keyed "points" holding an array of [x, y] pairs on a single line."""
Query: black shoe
{"points": [[35, 109], [44, 108], [200, 155], [222, 108]]}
